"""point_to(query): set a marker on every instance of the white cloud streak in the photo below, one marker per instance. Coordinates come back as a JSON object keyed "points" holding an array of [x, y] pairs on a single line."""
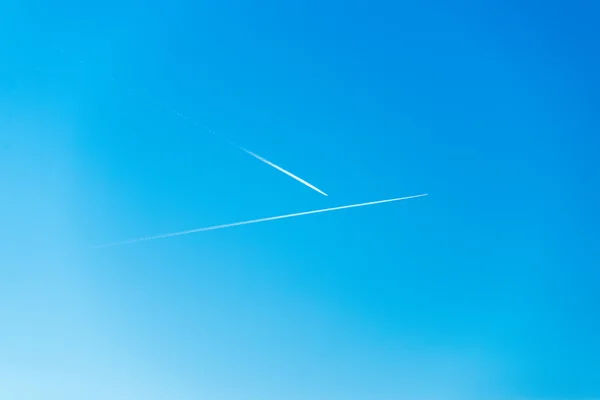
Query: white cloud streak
{"points": [[277, 167], [197, 124], [256, 221]]}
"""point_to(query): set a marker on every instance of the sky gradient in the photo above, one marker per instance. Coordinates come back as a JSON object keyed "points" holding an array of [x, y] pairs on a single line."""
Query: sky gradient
{"points": [[487, 288]]}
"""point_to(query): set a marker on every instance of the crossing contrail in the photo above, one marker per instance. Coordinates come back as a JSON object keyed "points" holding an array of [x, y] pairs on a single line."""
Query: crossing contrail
{"points": [[256, 221]]}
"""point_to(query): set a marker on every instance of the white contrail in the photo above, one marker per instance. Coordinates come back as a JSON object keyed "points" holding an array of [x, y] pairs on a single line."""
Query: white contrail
{"points": [[256, 221], [262, 159], [250, 153], [277, 167], [196, 123]]}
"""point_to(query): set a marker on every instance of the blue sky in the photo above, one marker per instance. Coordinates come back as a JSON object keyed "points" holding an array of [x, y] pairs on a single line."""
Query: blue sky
{"points": [[488, 288]]}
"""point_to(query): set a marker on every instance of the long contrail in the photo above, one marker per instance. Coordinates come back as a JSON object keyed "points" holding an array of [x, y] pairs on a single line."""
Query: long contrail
{"points": [[256, 221]]}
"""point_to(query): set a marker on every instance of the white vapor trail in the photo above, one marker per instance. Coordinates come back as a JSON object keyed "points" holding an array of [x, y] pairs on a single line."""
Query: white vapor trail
{"points": [[277, 167], [158, 104], [250, 153], [256, 221]]}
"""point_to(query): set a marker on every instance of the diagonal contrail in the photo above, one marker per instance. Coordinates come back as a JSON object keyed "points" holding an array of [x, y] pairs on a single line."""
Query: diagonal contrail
{"points": [[277, 167], [158, 104], [250, 153], [256, 221]]}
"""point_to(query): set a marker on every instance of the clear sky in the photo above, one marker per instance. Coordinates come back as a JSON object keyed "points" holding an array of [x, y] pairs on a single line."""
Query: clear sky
{"points": [[487, 288]]}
